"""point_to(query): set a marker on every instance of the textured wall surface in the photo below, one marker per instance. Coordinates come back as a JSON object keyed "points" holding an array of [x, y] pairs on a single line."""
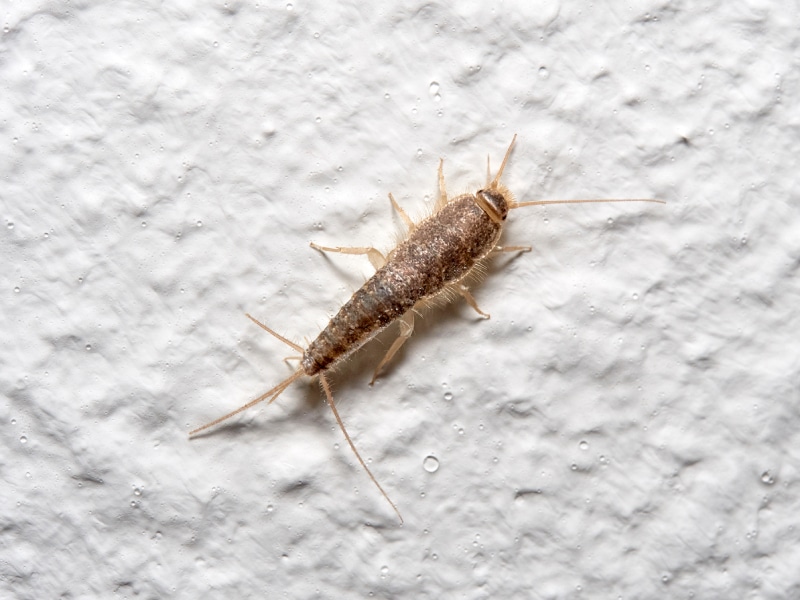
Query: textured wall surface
{"points": [[626, 425]]}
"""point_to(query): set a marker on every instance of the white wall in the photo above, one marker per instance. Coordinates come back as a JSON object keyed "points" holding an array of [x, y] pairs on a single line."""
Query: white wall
{"points": [[626, 424]]}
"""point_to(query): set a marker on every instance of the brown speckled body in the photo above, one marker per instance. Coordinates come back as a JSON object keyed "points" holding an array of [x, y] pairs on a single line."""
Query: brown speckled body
{"points": [[441, 250]]}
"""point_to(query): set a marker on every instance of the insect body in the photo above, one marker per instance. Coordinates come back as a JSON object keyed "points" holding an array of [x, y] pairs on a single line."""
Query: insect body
{"points": [[437, 254], [434, 259]]}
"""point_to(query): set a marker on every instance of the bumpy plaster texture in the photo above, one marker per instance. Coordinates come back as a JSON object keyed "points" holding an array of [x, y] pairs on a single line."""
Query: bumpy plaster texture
{"points": [[626, 424]]}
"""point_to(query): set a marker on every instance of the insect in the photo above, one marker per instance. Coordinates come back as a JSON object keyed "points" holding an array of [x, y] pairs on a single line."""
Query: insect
{"points": [[433, 261]]}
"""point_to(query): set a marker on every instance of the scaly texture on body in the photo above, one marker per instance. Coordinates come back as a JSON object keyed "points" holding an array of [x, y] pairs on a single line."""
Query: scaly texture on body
{"points": [[441, 250]]}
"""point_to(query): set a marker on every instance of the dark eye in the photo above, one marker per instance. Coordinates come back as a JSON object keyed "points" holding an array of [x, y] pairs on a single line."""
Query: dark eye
{"points": [[493, 203]]}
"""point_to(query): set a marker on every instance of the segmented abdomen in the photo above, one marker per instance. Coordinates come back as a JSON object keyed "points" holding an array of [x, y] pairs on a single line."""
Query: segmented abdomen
{"points": [[441, 250]]}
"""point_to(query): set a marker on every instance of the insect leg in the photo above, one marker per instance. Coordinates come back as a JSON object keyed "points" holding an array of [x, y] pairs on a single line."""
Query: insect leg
{"points": [[442, 200], [410, 225], [464, 293], [406, 323], [327, 389], [375, 257], [499, 249]]}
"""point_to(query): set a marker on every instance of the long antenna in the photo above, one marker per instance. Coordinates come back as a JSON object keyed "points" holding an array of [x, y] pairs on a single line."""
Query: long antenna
{"points": [[598, 201], [496, 179]]}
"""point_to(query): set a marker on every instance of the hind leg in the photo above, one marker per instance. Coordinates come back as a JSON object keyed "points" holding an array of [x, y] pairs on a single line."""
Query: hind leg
{"points": [[464, 293], [406, 323]]}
